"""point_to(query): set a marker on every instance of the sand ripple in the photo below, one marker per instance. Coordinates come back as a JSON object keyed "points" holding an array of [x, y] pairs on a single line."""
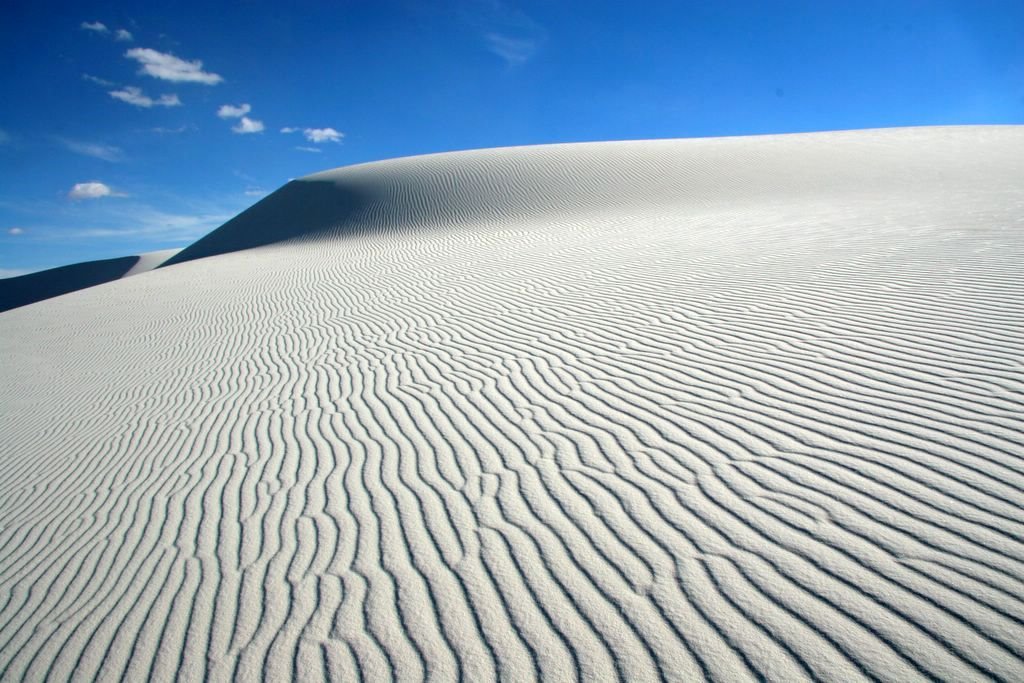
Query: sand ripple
{"points": [[734, 409]]}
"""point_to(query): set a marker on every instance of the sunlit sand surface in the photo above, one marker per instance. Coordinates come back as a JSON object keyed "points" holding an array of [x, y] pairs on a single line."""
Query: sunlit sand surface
{"points": [[724, 409]]}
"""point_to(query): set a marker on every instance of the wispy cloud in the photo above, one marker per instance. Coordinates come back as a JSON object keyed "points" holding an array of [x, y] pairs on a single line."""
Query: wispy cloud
{"points": [[167, 67], [143, 222], [230, 111], [16, 231], [514, 51], [135, 96], [170, 131], [4, 137], [120, 35], [309, 149], [505, 30], [316, 135], [247, 125], [92, 190], [255, 192], [246, 177], [174, 221], [12, 272], [98, 81], [95, 150], [94, 26]]}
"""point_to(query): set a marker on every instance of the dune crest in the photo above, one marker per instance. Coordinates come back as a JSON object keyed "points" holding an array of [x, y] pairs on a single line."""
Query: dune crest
{"points": [[733, 409], [479, 188]]}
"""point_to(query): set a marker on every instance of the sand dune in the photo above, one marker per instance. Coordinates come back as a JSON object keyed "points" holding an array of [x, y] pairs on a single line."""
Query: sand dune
{"points": [[23, 290], [731, 409]]}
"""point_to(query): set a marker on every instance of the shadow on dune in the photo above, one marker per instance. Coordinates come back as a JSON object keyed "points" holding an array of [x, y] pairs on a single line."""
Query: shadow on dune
{"points": [[300, 208], [46, 284]]}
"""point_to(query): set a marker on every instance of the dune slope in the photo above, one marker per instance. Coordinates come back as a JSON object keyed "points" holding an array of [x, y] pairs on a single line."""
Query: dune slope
{"points": [[728, 409]]}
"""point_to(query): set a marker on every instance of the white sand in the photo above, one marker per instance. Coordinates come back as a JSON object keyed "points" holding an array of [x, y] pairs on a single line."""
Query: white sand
{"points": [[729, 409]]}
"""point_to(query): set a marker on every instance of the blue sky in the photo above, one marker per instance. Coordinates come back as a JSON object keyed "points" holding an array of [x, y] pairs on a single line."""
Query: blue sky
{"points": [[129, 127]]}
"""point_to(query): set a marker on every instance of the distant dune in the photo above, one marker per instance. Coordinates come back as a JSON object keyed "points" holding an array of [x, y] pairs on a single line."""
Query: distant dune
{"points": [[730, 409], [23, 290]]}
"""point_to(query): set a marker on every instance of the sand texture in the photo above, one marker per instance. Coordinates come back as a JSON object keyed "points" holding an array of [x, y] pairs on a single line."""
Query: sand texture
{"points": [[729, 409]]}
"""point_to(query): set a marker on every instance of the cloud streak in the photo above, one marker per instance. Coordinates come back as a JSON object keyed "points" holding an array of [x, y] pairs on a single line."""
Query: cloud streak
{"points": [[98, 81], [95, 150], [161, 130], [135, 97], [121, 35], [506, 31], [177, 221], [167, 67], [515, 51], [131, 221]]}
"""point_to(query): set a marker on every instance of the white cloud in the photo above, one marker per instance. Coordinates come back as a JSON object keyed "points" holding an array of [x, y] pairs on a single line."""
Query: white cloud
{"points": [[255, 193], [514, 51], [247, 125], [309, 149], [12, 272], [16, 231], [93, 149], [170, 68], [317, 135], [135, 96], [123, 36], [229, 111], [97, 26], [93, 190]]}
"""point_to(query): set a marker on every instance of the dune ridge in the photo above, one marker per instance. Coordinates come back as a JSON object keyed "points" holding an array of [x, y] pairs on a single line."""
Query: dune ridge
{"points": [[480, 188], [733, 409]]}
